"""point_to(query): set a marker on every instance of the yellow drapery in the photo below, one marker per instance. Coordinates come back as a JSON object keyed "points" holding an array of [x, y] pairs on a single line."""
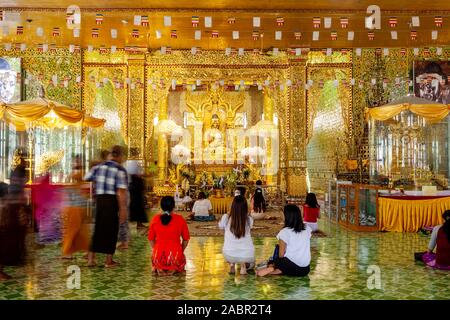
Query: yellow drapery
{"points": [[410, 215], [431, 112], [45, 113], [221, 205]]}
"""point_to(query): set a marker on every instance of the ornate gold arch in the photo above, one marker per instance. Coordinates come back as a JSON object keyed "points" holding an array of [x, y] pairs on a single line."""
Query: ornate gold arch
{"points": [[208, 67]]}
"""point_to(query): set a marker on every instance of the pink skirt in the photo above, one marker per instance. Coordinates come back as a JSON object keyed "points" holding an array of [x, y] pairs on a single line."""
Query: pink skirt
{"points": [[430, 260]]}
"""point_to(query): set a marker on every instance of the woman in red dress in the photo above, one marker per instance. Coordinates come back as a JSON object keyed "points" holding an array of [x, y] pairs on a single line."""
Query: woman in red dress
{"points": [[311, 212], [169, 236]]}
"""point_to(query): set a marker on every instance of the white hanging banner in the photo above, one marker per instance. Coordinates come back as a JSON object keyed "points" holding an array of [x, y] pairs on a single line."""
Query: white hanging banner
{"points": [[277, 35], [71, 48], [76, 33], [415, 21], [394, 35], [434, 35], [298, 51], [358, 51], [167, 21], [158, 34], [329, 51], [137, 20], [194, 50], [235, 35], [114, 33], [208, 22], [350, 35], [241, 51], [438, 51], [315, 35], [386, 52], [90, 48], [23, 47], [416, 51], [197, 35], [256, 22], [113, 49], [39, 31], [227, 51], [275, 51], [327, 22]]}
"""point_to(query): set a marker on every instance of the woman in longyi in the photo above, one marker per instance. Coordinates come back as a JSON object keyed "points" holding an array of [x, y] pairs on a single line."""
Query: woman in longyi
{"points": [[76, 229]]}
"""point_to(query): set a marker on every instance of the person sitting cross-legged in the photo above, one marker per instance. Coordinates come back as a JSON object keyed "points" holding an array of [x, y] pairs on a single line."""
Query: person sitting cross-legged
{"points": [[202, 210]]}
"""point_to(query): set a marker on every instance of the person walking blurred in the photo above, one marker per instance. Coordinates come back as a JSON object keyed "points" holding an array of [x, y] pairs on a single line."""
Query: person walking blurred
{"points": [[13, 218], [111, 193], [74, 212]]}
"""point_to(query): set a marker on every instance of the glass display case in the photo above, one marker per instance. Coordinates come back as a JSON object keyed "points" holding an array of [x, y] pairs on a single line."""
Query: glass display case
{"points": [[408, 152], [357, 207], [332, 198]]}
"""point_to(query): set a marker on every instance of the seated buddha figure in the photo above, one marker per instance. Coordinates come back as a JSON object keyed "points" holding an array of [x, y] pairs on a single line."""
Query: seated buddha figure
{"points": [[214, 141]]}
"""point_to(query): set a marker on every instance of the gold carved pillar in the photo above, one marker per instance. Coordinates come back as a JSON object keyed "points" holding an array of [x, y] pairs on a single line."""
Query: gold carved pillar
{"points": [[136, 109], [268, 106], [163, 146], [296, 160]]}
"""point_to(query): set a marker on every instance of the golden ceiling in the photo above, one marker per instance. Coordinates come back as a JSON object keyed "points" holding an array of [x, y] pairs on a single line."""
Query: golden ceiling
{"points": [[298, 16]]}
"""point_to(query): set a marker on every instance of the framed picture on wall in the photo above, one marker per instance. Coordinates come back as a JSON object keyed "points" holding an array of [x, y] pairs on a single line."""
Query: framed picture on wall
{"points": [[10, 80], [432, 80]]}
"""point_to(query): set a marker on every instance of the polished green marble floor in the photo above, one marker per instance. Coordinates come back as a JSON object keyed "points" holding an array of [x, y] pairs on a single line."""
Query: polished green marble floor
{"points": [[339, 271]]}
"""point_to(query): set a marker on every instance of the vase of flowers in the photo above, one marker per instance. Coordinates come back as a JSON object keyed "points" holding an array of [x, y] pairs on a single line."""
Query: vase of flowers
{"points": [[218, 183], [231, 181]]}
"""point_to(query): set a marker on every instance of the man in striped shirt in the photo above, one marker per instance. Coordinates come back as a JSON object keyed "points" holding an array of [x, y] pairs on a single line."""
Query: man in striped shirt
{"points": [[111, 191]]}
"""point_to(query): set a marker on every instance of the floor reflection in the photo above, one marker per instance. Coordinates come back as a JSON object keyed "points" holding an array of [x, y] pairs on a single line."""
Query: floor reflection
{"points": [[339, 271]]}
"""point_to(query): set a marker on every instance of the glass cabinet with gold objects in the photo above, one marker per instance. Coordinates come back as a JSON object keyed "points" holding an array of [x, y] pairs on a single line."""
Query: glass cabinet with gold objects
{"points": [[357, 207]]}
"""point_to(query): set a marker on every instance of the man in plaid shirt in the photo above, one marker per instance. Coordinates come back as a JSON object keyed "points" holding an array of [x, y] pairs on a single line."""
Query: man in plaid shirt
{"points": [[111, 191]]}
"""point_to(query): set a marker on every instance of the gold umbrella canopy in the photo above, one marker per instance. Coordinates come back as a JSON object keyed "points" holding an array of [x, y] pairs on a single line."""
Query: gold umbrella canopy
{"points": [[430, 110], [45, 113]]}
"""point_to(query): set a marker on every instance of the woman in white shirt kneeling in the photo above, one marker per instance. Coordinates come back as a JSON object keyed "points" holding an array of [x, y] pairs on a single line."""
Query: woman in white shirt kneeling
{"points": [[294, 254], [238, 245]]}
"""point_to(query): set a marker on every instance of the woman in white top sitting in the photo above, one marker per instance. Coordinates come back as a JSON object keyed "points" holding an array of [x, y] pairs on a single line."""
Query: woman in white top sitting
{"points": [[202, 210], [294, 251], [238, 245]]}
